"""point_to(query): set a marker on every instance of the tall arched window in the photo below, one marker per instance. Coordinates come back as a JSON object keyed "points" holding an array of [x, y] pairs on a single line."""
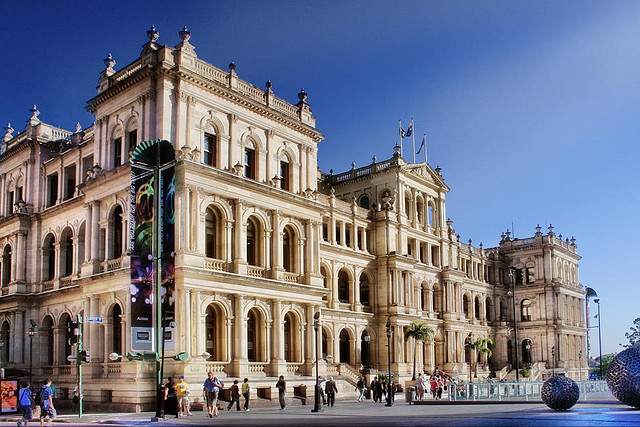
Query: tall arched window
{"points": [[116, 329], [6, 265], [6, 342], [66, 253], [420, 210], [66, 335], [525, 310], [345, 350], [502, 315], [285, 174], [365, 352], [488, 304], [325, 281], [465, 305], [116, 218], [364, 290], [249, 161], [343, 286], [255, 336], [214, 233], [291, 341], [289, 245], [253, 241], [430, 214], [49, 257], [46, 335], [209, 148], [477, 308], [214, 333], [526, 351]]}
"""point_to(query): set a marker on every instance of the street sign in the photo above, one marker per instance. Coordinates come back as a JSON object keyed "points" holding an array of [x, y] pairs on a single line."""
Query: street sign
{"points": [[93, 319]]}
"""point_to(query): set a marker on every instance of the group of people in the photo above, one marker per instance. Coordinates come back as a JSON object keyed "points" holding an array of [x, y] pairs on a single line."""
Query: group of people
{"points": [[176, 396], [379, 389], [42, 399], [436, 384]]}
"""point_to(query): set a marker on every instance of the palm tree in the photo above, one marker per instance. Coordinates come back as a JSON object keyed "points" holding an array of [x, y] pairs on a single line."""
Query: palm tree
{"points": [[419, 331], [482, 347]]}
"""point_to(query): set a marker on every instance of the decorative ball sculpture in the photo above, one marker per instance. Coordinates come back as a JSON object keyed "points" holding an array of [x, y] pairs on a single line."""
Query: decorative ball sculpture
{"points": [[623, 377], [560, 393]]}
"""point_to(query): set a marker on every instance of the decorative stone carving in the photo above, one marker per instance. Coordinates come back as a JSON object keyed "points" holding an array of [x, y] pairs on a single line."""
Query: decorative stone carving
{"points": [[560, 393], [623, 377], [9, 135], [152, 34]]}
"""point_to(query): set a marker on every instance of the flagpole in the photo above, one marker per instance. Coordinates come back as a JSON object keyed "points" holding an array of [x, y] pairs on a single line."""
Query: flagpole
{"points": [[413, 141], [400, 134], [425, 148]]}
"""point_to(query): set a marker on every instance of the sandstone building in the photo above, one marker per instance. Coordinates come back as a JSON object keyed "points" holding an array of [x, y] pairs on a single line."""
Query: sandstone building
{"points": [[263, 242]]}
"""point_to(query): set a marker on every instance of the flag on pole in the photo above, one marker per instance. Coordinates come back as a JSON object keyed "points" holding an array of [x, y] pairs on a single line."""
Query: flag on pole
{"points": [[424, 140], [400, 130], [409, 131]]}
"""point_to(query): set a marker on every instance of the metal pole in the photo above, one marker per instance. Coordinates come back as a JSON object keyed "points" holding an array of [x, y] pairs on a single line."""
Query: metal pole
{"points": [[316, 392], [157, 249], [389, 400], [597, 301], [31, 332], [79, 350], [553, 356], [515, 323]]}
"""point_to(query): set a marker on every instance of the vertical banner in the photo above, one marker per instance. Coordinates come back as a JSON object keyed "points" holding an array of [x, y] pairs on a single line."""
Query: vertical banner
{"points": [[167, 292], [141, 249], [9, 393]]}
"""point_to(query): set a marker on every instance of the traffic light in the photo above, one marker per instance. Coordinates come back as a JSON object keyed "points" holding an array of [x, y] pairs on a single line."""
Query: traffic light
{"points": [[74, 330], [85, 356]]}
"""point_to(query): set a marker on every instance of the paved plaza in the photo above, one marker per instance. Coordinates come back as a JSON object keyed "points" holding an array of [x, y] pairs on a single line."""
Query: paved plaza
{"points": [[604, 411]]}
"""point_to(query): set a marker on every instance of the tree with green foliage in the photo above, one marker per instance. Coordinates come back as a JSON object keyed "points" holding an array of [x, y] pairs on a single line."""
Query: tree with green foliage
{"points": [[482, 347], [634, 335], [419, 331], [606, 360]]}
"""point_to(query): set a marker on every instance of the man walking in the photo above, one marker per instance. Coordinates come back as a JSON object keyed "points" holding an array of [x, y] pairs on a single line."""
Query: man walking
{"points": [[360, 388], [235, 396], [331, 391], [210, 389], [182, 392], [321, 382], [47, 410], [246, 393], [281, 385]]}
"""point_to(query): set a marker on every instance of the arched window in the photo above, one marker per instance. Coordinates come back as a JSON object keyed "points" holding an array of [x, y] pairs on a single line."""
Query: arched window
{"points": [[477, 308], [407, 205], [6, 265], [215, 333], [249, 161], [49, 257], [116, 329], [430, 214], [289, 245], [526, 351], [66, 335], [423, 300], [365, 352], [291, 338], [364, 290], [488, 305], [345, 350], [437, 297], [255, 336], [66, 253], [325, 281], [343, 286], [46, 335], [364, 202], [420, 210], [525, 307], [285, 174], [325, 343], [253, 242], [214, 234], [502, 316], [209, 149], [465, 305], [116, 218], [5, 339], [81, 244]]}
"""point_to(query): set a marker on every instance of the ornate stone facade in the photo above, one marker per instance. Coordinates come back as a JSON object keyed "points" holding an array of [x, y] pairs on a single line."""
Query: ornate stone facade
{"points": [[263, 242]]}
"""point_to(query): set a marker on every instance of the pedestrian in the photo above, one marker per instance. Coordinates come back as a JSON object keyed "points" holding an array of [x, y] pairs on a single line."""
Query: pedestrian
{"points": [[440, 387], [25, 401], [374, 389], [331, 391], [321, 382], [235, 395], [383, 389], [394, 388], [433, 383], [182, 393], [170, 398], [75, 400], [420, 386], [211, 390], [360, 389], [246, 393], [281, 385], [47, 410]]}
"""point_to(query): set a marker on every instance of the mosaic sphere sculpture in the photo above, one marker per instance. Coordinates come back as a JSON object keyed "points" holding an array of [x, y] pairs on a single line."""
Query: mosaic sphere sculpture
{"points": [[623, 377], [560, 393]]}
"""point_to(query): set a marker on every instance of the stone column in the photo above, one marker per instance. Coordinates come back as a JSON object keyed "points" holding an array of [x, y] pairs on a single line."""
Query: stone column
{"points": [[278, 364], [95, 236], [92, 327], [239, 234], [309, 338], [239, 343], [188, 317], [276, 246], [21, 255], [18, 339]]}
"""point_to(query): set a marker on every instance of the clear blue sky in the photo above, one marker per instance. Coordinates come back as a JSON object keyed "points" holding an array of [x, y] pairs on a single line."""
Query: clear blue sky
{"points": [[531, 107]]}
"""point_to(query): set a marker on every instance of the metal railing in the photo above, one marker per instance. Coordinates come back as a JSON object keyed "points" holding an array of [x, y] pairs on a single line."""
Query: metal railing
{"points": [[529, 390]]}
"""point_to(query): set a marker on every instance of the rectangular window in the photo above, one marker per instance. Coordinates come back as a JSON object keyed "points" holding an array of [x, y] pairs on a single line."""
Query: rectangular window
{"points": [[360, 236], [531, 275], [284, 175], [519, 276], [117, 152], [209, 149], [132, 140], [347, 236], [18, 194], [249, 163], [87, 164], [325, 231], [10, 202], [338, 236], [52, 189], [69, 182], [434, 256]]}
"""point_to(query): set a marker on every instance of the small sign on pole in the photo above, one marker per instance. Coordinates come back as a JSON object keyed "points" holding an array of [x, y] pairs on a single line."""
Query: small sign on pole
{"points": [[93, 319]]}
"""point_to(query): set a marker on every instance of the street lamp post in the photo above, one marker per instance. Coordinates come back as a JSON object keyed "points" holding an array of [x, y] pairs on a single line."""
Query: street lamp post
{"points": [[553, 357], [512, 271], [469, 341], [597, 301], [31, 332], [316, 391], [580, 366], [389, 399]]}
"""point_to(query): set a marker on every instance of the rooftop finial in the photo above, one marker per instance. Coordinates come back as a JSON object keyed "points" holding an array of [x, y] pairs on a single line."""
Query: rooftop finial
{"points": [[9, 133], [302, 95], [78, 127], [185, 34], [152, 34], [109, 62], [268, 85], [33, 120]]}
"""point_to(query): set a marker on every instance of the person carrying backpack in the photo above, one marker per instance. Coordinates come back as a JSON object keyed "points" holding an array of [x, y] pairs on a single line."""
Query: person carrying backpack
{"points": [[25, 401], [47, 410]]}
